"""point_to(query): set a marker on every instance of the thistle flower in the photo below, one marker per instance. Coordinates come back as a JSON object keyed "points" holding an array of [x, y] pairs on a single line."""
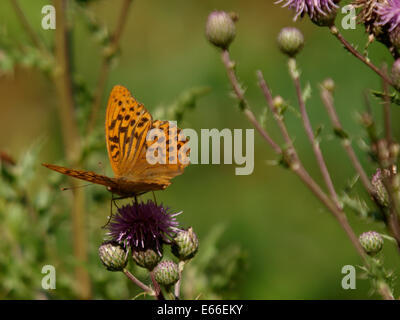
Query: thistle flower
{"points": [[389, 16], [144, 226], [314, 8], [389, 13]]}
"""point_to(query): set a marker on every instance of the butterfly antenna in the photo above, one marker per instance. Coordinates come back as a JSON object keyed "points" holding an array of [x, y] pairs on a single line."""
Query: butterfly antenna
{"points": [[77, 187]]}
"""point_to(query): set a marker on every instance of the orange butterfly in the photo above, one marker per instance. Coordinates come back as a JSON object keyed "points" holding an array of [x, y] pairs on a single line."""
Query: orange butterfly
{"points": [[128, 125]]}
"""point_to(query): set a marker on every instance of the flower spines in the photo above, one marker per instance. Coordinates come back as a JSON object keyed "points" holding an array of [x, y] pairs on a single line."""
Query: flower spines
{"points": [[311, 7]]}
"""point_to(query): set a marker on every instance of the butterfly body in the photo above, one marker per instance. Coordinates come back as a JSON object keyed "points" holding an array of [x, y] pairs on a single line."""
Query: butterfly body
{"points": [[127, 125]]}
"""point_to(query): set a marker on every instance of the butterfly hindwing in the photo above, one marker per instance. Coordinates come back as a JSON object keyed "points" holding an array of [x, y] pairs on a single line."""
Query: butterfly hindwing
{"points": [[170, 147]]}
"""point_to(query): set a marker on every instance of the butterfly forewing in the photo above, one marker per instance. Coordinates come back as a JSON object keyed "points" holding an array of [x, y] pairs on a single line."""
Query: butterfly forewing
{"points": [[127, 123], [89, 176]]}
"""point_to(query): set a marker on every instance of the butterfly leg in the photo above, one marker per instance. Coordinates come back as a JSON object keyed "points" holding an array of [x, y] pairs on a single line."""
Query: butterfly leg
{"points": [[154, 197], [111, 207]]}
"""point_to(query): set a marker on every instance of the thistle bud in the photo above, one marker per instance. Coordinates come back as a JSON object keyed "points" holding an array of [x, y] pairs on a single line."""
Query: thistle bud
{"points": [[396, 73], [290, 41], [185, 244], [113, 255], [329, 85], [372, 242], [220, 29], [146, 258], [379, 188], [166, 273]]}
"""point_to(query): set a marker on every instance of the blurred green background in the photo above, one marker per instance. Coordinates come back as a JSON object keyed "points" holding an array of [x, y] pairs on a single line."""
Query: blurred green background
{"points": [[293, 248]]}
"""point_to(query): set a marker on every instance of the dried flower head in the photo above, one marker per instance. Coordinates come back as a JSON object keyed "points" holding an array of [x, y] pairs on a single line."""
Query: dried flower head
{"points": [[367, 13], [144, 226], [313, 8]]}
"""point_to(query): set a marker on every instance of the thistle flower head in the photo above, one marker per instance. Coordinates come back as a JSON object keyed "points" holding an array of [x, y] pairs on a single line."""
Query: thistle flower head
{"points": [[372, 242], [220, 29], [144, 226], [389, 13], [185, 244], [113, 256], [166, 273], [290, 41], [312, 7]]}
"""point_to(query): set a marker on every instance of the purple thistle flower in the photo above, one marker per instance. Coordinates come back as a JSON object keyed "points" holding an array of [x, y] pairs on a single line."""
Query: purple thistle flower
{"points": [[312, 7], [144, 226], [389, 13]]}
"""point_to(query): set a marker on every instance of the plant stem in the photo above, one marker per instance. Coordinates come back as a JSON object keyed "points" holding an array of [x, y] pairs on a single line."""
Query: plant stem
{"points": [[297, 167], [385, 291], [229, 65], [71, 143], [158, 293], [334, 30], [310, 134], [105, 67], [26, 25], [177, 290], [139, 283], [327, 99], [386, 109]]}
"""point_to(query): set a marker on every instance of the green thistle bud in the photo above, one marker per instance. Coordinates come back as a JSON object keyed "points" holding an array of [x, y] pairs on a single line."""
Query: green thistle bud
{"points": [[185, 244], [220, 29], [290, 41], [113, 255], [396, 73], [372, 242], [166, 273], [146, 258]]}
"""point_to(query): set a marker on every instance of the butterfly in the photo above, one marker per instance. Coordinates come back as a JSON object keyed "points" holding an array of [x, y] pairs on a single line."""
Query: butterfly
{"points": [[139, 164]]}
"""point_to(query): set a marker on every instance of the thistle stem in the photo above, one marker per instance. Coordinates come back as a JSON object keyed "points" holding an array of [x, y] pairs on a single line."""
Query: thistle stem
{"points": [[158, 293], [71, 139], [139, 283], [310, 134], [327, 100], [229, 65], [334, 30], [105, 67]]}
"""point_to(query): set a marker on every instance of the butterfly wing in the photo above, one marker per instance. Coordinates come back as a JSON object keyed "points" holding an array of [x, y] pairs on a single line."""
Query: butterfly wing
{"points": [[172, 146], [84, 175], [127, 123]]}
